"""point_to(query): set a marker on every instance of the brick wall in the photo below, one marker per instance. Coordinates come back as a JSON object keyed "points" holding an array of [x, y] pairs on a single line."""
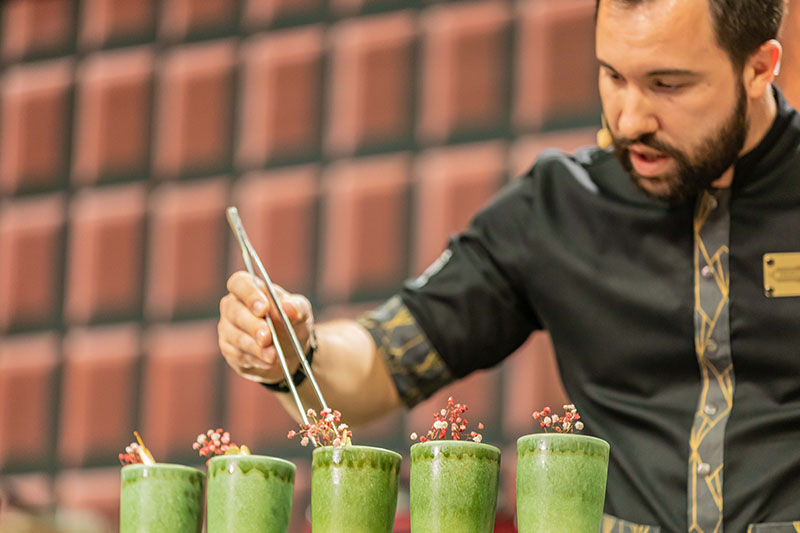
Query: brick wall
{"points": [[353, 135]]}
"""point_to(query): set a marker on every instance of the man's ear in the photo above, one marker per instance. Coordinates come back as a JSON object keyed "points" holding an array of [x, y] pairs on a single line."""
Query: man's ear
{"points": [[761, 68]]}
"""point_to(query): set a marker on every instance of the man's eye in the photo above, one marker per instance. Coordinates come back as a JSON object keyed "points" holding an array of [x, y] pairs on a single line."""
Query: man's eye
{"points": [[669, 86]]}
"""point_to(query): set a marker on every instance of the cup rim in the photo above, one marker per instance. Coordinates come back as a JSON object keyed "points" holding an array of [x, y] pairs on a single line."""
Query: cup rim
{"points": [[562, 436], [162, 466], [357, 447], [268, 458], [448, 442]]}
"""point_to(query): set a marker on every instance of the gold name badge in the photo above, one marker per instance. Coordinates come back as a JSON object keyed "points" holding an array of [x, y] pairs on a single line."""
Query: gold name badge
{"points": [[782, 274]]}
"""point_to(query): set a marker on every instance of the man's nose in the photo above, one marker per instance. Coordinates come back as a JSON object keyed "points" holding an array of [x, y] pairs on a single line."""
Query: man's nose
{"points": [[636, 117]]}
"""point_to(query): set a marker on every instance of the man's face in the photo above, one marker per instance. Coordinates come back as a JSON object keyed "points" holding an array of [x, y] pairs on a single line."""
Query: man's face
{"points": [[676, 109]]}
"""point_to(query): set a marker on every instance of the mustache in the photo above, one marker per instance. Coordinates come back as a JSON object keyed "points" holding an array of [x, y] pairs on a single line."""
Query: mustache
{"points": [[623, 144]]}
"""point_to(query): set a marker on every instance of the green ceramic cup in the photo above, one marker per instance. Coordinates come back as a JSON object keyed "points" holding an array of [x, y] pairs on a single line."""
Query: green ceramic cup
{"points": [[454, 487], [561, 483], [353, 489], [249, 494], [161, 497]]}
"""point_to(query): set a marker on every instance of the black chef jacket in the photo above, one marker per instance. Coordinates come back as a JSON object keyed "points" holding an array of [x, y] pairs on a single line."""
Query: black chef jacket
{"points": [[669, 338]]}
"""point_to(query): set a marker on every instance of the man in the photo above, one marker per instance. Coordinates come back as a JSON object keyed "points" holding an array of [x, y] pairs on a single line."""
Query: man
{"points": [[666, 273]]}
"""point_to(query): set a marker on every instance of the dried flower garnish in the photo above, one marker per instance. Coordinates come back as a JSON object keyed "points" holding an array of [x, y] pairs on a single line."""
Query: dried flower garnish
{"points": [[136, 453], [560, 424], [450, 419], [327, 430], [217, 442]]}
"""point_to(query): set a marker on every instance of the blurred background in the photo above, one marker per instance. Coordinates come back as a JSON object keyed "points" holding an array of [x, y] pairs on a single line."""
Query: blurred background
{"points": [[353, 135]]}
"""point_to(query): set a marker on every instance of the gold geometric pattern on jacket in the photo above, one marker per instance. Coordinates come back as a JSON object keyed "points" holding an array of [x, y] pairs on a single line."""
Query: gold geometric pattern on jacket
{"points": [[712, 346], [612, 524]]}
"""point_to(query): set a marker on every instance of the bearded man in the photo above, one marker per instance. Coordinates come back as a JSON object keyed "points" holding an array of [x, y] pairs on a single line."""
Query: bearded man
{"points": [[666, 270]]}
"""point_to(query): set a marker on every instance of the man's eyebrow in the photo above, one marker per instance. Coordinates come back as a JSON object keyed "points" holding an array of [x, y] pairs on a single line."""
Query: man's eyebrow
{"points": [[606, 65], [654, 73], [672, 72]]}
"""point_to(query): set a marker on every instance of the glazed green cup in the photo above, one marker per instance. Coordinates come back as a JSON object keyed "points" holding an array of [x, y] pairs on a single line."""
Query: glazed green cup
{"points": [[161, 497], [454, 486], [561, 483], [353, 489], [249, 493]]}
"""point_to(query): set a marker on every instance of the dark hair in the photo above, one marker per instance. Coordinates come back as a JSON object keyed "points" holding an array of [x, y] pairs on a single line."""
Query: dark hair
{"points": [[741, 25]]}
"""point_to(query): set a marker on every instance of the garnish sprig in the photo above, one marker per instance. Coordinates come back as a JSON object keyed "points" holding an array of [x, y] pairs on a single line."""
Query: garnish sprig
{"points": [[136, 453], [217, 442], [327, 430], [450, 419], [565, 423]]}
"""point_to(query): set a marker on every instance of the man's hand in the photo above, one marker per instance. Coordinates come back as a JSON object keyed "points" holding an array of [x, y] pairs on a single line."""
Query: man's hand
{"points": [[244, 337]]}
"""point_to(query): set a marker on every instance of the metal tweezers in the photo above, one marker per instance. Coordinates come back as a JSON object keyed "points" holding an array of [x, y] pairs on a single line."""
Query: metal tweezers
{"points": [[249, 255]]}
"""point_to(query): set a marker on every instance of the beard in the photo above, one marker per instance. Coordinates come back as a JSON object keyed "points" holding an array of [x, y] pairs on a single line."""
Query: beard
{"points": [[695, 173]]}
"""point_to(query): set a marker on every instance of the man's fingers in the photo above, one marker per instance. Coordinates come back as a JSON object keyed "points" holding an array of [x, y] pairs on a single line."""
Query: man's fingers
{"points": [[254, 296], [292, 304], [296, 307], [241, 359], [248, 366], [242, 341], [251, 293], [234, 311]]}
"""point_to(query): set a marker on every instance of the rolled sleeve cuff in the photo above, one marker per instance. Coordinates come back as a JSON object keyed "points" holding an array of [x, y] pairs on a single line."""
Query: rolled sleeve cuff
{"points": [[414, 364]]}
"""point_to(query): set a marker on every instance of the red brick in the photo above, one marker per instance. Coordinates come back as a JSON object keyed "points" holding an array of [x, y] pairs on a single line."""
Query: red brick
{"points": [[91, 496], [789, 79], [35, 27], [452, 184], [30, 260], [105, 253], [104, 21], [98, 392], [371, 82], [185, 270], [35, 115], [299, 522], [365, 225], [194, 109], [463, 68], [254, 415], [526, 149], [113, 115], [179, 395], [278, 211], [531, 382], [507, 498], [182, 17], [32, 491], [27, 382], [259, 12], [279, 114], [556, 76], [348, 7], [479, 391]]}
